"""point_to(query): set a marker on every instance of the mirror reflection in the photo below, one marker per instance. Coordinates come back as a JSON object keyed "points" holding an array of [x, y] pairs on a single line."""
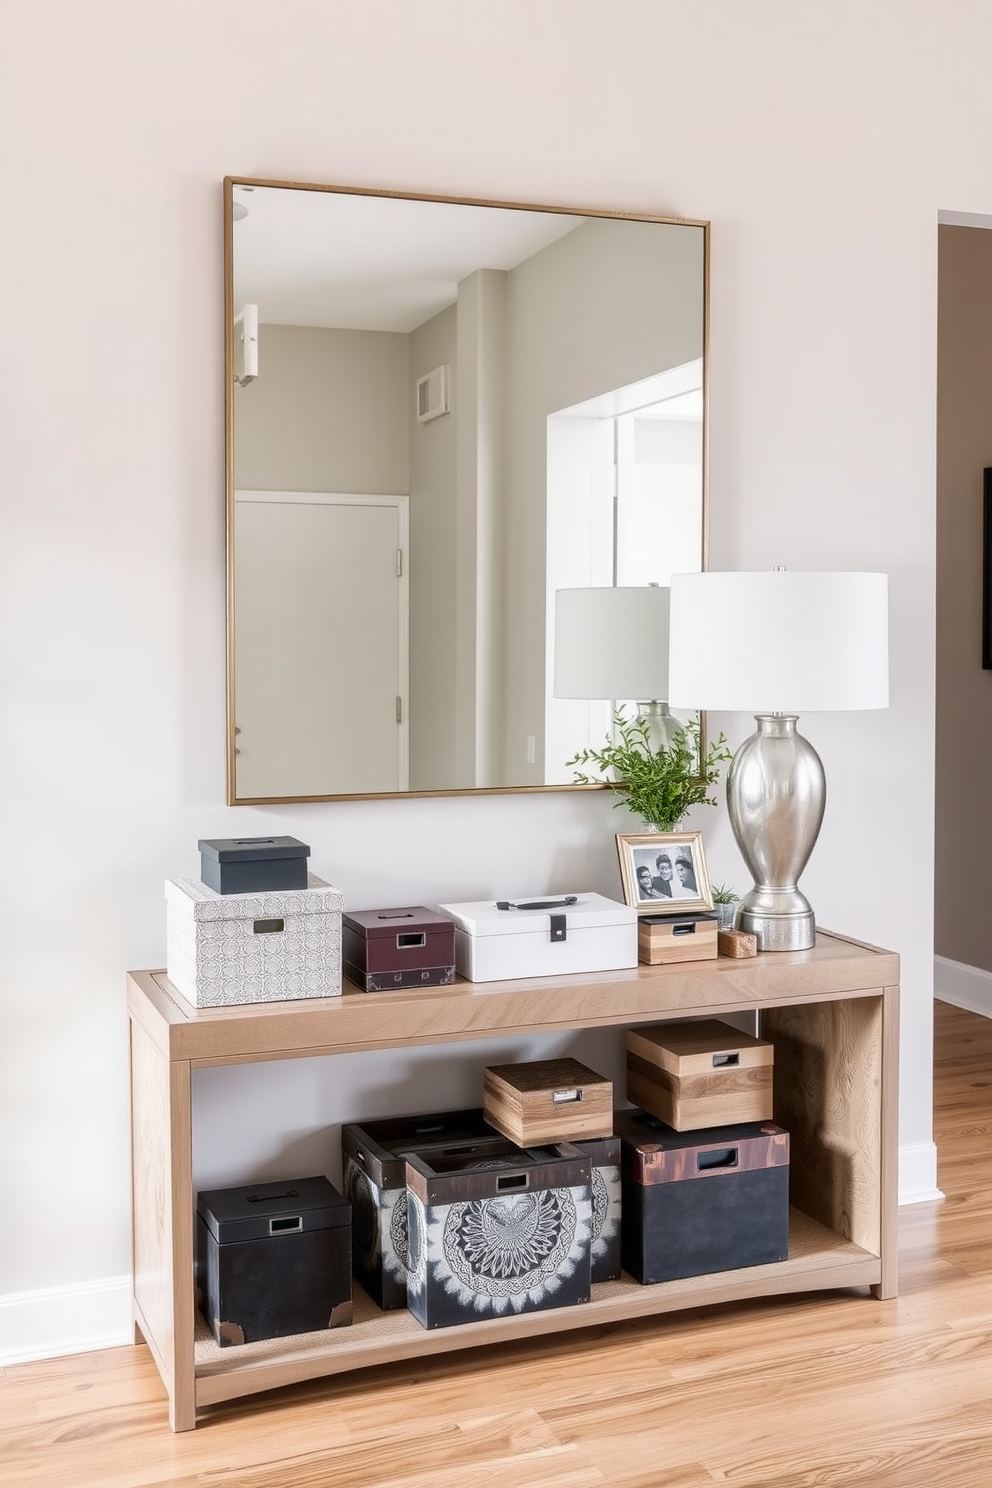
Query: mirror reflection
{"points": [[440, 414]]}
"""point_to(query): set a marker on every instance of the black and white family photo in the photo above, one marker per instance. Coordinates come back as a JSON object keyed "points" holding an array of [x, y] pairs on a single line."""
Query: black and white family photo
{"points": [[664, 872]]}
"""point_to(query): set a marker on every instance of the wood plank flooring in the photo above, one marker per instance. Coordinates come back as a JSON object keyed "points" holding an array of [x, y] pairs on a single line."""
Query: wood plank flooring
{"points": [[793, 1393]]}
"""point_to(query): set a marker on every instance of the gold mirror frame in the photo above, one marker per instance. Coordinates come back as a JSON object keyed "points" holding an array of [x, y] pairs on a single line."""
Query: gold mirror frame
{"points": [[229, 185]]}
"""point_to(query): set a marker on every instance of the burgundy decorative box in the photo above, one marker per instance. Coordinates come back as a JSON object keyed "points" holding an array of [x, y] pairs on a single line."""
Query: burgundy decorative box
{"points": [[386, 949]]}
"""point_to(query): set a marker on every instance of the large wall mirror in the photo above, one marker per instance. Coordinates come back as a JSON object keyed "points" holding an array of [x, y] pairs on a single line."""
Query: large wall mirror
{"points": [[439, 415]]}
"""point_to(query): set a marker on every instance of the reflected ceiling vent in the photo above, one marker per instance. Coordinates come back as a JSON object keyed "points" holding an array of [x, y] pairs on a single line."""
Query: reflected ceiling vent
{"points": [[432, 395]]}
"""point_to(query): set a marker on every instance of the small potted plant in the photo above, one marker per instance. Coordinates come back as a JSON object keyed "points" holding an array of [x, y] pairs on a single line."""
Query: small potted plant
{"points": [[725, 902], [659, 784]]}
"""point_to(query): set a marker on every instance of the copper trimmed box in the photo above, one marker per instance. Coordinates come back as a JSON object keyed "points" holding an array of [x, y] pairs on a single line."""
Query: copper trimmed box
{"points": [[273, 1259], [697, 1074], [699, 1202], [548, 1100], [391, 949], [374, 1181], [512, 1237], [662, 938]]}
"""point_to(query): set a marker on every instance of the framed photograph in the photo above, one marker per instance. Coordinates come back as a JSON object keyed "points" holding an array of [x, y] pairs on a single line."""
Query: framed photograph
{"points": [[987, 572], [664, 872]]}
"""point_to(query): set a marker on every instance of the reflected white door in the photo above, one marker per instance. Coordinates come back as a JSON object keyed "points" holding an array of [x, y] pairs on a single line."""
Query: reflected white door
{"points": [[320, 606]]}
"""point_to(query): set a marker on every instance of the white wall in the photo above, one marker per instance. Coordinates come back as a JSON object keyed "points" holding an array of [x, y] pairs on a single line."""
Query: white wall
{"points": [[821, 145]]}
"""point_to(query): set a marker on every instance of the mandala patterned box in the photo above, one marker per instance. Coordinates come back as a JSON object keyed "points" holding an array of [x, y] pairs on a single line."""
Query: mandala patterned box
{"points": [[226, 949], [374, 1182], [513, 1236]]}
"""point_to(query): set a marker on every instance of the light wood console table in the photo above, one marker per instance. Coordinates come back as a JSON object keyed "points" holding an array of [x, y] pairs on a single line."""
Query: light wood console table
{"points": [[831, 1012]]}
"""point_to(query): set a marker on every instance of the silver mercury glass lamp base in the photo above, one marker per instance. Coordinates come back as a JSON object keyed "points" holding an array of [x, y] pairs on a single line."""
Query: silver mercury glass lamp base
{"points": [[776, 793], [660, 728]]}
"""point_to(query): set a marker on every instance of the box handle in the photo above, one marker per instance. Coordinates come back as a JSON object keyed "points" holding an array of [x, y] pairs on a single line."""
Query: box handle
{"points": [[688, 927], [718, 1157], [254, 841], [286, 1226], [395, 914], [291, 1193], [565, 1097], [512, 1180], [725, 1061], [410, 940], [268, 927]]}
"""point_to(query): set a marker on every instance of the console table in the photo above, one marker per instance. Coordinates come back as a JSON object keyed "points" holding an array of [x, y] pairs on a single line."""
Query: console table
{"points": [[831, 1012]]}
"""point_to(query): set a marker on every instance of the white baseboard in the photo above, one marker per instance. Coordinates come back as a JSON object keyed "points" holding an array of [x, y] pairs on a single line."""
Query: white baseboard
{"points": [[967, 987], [918, 1173], [65, 1320]]}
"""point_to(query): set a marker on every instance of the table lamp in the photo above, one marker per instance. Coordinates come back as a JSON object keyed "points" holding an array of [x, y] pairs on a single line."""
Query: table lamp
{"points": [[612, 644], [778, 644]]}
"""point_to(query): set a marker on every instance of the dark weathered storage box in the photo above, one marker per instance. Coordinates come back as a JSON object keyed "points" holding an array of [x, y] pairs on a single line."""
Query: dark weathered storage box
{"points": [[253, 865], [604, 1160], [273, 1259], [374, 1178], [385, 949], [548, 1100], [511, 1237], [698, 1202], [664, 938], [699, 1074]]}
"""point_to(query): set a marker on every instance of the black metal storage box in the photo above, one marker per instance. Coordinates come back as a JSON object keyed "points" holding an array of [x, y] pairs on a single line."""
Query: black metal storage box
{"points": [[248, 865], [384, 949], [703, 1201], [273, 1259], [375, 1184], [508, 1236]]}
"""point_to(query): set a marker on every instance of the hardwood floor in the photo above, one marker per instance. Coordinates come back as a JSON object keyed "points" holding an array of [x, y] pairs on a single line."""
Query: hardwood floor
{"points": [[792, 1393]]}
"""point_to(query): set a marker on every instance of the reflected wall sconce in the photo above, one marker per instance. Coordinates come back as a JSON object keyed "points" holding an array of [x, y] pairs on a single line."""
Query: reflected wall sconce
{"points": [[246, 345]]}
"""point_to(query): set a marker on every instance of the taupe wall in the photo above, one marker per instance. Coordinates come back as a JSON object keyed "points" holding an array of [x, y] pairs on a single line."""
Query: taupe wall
{"points": [[327, 412], [963, 850], [432, 563]]}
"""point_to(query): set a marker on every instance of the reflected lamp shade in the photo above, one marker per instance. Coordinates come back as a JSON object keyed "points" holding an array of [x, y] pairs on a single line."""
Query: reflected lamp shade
{"points": [[611, 643], [776, 644]]}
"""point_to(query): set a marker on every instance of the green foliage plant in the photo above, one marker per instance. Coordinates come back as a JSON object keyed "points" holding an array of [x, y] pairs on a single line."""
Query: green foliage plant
{"points": [[659, 785], [723, 895]]}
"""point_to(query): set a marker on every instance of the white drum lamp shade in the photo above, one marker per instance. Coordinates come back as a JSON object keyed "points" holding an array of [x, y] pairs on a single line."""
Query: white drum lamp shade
{"points": [[777, 644], [611, 643]]}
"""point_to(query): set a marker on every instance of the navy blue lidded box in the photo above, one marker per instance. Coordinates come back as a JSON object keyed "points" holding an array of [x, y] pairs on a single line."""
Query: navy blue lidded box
{"points": [[249, 865], [701, 1201], [506, 1236], [273, 1259]]}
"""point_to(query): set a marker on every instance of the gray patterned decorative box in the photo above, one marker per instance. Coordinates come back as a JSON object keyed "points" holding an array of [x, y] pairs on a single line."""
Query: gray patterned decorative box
{"points": [[504, 1237], [374, 1169], [226, 949]]}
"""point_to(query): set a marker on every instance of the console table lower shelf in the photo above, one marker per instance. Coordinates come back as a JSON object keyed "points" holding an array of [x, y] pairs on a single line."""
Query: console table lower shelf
{"points": [[831, 1013], [818, 1260]]}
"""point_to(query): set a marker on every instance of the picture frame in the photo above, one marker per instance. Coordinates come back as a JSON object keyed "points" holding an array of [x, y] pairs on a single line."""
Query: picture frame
{"points": [[987, 571], [650, 860]]}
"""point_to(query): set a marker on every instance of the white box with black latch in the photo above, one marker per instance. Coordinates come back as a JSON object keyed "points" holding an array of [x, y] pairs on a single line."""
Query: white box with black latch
{"points": [[497, 940]]}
